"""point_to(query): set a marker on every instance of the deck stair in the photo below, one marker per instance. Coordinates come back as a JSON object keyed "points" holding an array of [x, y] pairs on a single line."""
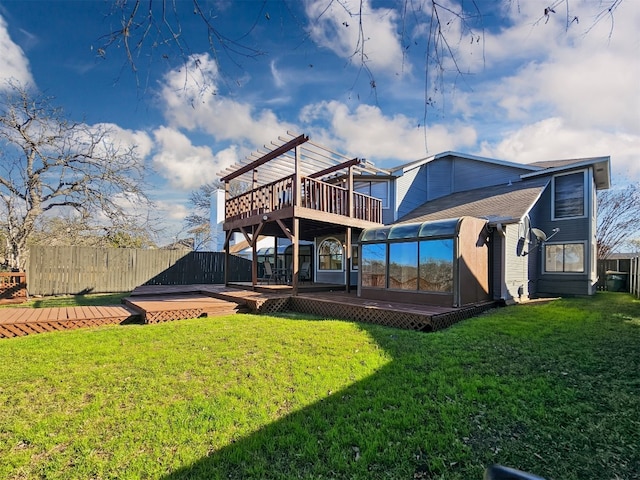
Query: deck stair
{"points": [[166, 308]]}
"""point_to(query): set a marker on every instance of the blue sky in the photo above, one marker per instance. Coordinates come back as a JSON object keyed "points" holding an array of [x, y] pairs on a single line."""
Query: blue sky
{"points": [[533, 89]]}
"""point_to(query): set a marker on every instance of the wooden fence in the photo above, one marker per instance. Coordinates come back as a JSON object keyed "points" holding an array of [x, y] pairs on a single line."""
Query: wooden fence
{"points": [[78, 270], [634, 277]]}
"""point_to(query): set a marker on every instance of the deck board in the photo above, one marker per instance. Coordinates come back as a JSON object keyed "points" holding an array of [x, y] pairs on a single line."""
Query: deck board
{"points": [[158, 303]]}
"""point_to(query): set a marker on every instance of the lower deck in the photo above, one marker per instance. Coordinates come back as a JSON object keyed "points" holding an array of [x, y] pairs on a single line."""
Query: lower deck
{"points": [[160, 303]]}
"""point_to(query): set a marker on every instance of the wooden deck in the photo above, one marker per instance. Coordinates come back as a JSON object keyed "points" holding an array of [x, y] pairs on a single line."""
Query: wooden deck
{"points": [[17, 322], [154, 304]]}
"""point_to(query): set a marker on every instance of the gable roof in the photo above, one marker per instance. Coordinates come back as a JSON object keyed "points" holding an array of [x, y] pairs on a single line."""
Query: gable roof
{"points": [[503, 203], [402, 169], [601, 169]]}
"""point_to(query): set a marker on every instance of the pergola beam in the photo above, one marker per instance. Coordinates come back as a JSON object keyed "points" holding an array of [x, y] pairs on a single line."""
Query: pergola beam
{"points": [[268, 157]]}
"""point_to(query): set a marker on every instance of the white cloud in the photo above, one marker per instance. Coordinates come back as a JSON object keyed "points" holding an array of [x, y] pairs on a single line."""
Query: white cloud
{"points": [[277, 77], [367, 132], [123, 139], [191, 101], [185, 165], [13, 62], [172, 211], [335, 25], [552, 139]]}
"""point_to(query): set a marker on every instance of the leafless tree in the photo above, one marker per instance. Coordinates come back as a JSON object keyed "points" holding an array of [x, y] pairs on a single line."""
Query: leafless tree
{"points": [[50, 165], [73, 230], [618, 218], [197, 223]]}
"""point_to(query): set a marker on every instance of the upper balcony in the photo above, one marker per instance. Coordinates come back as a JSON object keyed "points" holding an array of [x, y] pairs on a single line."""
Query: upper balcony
{"points": [[314, 194], [310, 183]]}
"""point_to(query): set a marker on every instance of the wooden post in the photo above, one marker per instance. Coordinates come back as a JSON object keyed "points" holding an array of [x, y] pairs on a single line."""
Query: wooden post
{"points": [[296, 252], [350, 192], [347, 257], [254, 264]]}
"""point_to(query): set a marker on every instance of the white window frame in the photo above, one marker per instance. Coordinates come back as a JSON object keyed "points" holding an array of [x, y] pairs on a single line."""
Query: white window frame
{"points": [[563, 272], [585, 209], [319, 263]]}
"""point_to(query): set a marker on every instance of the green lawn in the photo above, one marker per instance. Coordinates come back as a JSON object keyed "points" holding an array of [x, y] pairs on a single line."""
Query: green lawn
{"points": [[550, 388]]}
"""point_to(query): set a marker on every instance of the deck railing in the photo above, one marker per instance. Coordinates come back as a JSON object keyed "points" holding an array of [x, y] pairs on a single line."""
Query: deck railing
{"points": [[314, 194]]}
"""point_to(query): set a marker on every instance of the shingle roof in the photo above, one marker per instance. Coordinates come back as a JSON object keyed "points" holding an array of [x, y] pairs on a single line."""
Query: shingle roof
{"points": [[504, 202]]}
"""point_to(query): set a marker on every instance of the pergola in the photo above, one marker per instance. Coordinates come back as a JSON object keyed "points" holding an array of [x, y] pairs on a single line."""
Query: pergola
{"points": [[299, 190]]}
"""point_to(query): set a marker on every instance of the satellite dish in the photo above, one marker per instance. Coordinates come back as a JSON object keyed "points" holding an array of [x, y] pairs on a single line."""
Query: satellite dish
{"points": [[540, 235]]}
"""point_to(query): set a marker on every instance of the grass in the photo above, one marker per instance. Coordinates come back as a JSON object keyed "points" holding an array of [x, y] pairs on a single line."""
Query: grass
{"points": [[549, 388], [71, 301]]}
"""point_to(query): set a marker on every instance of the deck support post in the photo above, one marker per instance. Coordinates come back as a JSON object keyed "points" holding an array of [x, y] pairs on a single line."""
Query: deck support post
{"points": [[295, 265], [347, 257]]}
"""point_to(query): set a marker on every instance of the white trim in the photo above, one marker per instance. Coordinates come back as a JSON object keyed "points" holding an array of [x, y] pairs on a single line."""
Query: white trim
{"points": [[318, 267], [585, 261]]}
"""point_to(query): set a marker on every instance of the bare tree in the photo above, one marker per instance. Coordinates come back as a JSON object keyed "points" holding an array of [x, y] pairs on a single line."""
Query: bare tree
{"points": [[197, 223], [618, 218], [73, 230], [50, 164]]}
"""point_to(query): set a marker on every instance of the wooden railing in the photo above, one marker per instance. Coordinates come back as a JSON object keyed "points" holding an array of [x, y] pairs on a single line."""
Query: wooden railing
{"points": [[314, 194]]}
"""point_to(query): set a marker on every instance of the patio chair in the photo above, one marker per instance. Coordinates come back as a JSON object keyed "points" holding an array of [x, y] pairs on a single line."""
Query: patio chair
{"points": [[267, 273], [304, 274]]}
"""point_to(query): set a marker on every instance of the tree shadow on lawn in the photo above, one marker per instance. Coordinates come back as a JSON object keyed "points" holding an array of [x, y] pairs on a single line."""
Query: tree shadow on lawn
{"points": [[419, 416], [450, 403]]}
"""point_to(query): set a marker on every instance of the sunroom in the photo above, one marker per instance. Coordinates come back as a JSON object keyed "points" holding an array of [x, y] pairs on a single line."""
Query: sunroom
{"points": [[443, 262]]}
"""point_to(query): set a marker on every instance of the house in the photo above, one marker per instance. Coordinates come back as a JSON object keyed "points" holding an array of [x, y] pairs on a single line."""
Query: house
{"points": [[451, 229]]}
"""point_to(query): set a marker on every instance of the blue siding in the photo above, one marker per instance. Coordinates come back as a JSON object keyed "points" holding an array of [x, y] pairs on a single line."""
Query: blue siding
{"points": [[439, 178], [471, 174], [411, 190], [573, 230]]}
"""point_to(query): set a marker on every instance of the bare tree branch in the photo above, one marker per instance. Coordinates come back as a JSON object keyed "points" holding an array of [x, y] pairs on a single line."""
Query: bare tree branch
{"points": [[618, 218], [51, 164]]}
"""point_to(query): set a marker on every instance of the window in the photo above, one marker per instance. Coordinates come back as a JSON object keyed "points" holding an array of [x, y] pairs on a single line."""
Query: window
{"points": [[568, 195], [330, 255], [403, 271], [436, 265], [568, 258], [374, 265], [377, 189]]}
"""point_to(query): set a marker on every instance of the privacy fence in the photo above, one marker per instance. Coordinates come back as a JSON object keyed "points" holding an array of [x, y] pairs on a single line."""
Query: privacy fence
{"points": [[634, 277], [77, 270]]}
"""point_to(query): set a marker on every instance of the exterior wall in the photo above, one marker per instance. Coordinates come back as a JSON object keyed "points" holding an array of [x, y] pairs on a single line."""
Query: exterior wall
{"points": [[411, 190], [572, 230], [447, 175], [471, 174], [418, 298], [332, 276], [389, 214], [516, 264], [473, 262]]}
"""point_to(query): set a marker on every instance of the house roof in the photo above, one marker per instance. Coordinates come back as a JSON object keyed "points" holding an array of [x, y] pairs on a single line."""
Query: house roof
{"points": [[400, 170], [601, 169], [502, 203]]}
